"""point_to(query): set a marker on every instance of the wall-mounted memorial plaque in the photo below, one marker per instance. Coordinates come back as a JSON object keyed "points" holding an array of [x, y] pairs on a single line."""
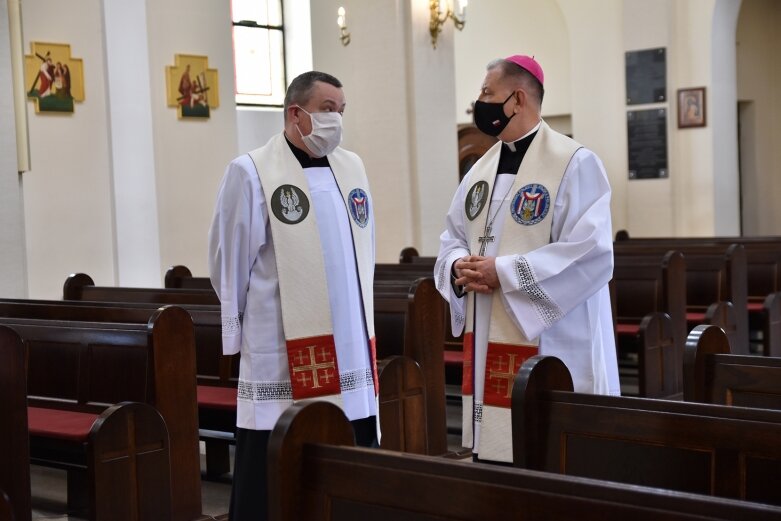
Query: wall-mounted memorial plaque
{"points": [[646, 76], [647, 136]]}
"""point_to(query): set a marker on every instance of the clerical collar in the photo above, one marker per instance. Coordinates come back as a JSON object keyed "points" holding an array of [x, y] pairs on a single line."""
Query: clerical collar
{"points": [[304, 159], [512, 153]]}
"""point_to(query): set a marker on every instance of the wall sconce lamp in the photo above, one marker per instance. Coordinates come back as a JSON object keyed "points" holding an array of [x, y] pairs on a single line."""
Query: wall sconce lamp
{"points": [[440, 11], [341, 21]]}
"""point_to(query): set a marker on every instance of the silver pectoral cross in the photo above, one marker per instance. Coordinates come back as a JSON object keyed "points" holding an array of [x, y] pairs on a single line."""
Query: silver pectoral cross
{"points": [[484, 240]]}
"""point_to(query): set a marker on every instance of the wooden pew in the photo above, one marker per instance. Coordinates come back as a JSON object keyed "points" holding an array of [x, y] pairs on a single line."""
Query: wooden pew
{"points": [[408, 320], [181, 277], [14, 438], [392, 300], [649, 298], [81, 368], [316, 473], [714, 375], [403, 408], [217, 374], [125, 449], [714, 274], [413, 266], [763, 270], [6, 508], [729, 452], [80, 286]]}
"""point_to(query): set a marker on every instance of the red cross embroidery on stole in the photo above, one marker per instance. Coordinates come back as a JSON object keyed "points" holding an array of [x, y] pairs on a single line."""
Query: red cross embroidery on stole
{"points": [[501, 365], [313, 367]]}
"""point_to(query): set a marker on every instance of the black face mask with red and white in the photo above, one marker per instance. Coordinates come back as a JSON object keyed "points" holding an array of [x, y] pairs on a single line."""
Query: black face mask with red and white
{"points": [[490, 117]]}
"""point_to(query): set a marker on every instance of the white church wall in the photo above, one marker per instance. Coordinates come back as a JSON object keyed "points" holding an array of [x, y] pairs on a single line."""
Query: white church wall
{"points": [[697, 197], [500, 28], [759, 91], [689, 201], [598, 94], [400, 115], [67, 193], [13, 276], [190, 156]]}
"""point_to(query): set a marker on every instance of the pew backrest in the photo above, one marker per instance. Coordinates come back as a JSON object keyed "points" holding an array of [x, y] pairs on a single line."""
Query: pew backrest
{"points": [[714, 375], [80, 286], [316, 474], [409, 320], [87, 367], [181, 277], [707, 449]]}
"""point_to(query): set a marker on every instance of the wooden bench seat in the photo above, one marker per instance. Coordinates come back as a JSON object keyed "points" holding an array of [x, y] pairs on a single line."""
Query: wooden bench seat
{"points": [[315, 473], [707, 449], [85, 367]]}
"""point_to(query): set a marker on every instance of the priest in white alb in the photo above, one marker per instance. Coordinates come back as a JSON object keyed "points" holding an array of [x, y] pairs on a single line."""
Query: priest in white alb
{"points": [[526, 257], [291, 256]]}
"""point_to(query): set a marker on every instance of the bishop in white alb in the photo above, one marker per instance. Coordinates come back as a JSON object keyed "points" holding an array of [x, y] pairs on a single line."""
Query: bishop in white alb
{"points": [[553, 297]]}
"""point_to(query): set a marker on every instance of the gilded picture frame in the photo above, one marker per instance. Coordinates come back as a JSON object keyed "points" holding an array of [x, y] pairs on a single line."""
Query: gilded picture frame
{"points": [[54, 80], [192, 87]]}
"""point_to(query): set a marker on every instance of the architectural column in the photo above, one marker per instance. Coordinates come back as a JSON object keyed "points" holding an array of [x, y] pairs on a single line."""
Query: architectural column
{"points": [[13, 268], [136, 236]]}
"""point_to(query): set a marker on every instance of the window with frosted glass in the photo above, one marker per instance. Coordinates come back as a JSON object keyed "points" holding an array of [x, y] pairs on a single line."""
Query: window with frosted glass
{"points": [[258, 52]]}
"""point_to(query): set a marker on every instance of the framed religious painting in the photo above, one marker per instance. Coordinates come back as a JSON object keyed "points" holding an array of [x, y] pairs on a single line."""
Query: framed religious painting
{"points": [[54, 79], [691, 107], [192, 87]]}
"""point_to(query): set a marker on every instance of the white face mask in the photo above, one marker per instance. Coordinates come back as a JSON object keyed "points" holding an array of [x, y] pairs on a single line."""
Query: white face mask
{"points": [[326, 133]]}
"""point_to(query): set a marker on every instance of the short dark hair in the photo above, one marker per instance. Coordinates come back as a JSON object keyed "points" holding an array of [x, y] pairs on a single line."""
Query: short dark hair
{"points": [[516, 73], [300, 89]]}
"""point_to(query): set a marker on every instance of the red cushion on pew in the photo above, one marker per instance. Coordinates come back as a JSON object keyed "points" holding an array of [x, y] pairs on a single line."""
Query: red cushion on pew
{"points": [[695, 317], [755, 306], [627, 329], [217, 397], [454, 357], [54, 423]]}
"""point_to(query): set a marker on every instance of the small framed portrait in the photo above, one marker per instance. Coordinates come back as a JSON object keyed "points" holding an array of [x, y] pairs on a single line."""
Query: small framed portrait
{"points": [[691, 107]]}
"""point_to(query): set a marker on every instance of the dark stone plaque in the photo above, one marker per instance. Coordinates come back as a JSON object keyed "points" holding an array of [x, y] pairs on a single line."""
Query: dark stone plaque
{"points": [[647, 137], [646, 76]]}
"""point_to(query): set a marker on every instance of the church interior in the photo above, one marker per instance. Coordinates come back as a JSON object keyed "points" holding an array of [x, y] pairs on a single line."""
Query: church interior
{"points": [[117, 123]]}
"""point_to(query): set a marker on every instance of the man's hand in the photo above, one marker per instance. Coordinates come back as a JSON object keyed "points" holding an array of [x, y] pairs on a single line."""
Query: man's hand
{"points": [[476, 273]]}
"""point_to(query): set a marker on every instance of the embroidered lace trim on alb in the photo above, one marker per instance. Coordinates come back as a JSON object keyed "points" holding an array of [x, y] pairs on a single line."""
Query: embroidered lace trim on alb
{"points": [[546, 309], [478, 412], [282, 391]]}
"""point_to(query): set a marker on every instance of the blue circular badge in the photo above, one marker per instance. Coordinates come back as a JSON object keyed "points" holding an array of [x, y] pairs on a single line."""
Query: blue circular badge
{"points": [[530, 204], [358, 202]]}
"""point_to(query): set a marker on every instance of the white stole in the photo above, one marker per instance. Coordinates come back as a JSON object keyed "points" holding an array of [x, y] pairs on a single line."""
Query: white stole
{"points": [[303, 290], [530, 202]]}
